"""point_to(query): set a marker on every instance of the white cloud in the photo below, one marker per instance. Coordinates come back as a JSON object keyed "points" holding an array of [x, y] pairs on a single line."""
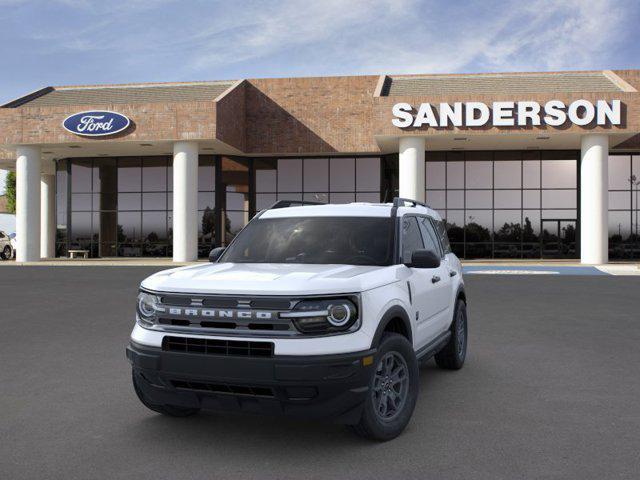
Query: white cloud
{"points": [[205, 39]]}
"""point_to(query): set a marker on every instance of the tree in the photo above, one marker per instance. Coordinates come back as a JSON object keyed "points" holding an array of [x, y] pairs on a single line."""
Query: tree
{"points": [[10, 188]]}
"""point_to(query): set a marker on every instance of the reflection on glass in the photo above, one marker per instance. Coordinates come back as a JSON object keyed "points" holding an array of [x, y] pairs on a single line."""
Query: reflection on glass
{"points": [[619, 172], [266, 175], [154, 201], [154, 227], [319, 197], [531, 174], [559, 199], [436, 199], [455, 174], [129, 174], [455, 198], [206, 199], [531, 198], [129, 201], [507, 199], [342, 175], [289, 175], [265, 200], [478, 198], [343, 197], [507, 174], [154, 174], [206, 173], [435, 173], [559, 173], [81, 175], [367, 175], [478, 226], [316, 174], [129, 227], [478, 174]]}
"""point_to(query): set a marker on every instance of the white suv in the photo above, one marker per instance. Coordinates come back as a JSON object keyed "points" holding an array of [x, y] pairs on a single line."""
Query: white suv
{"points": [[320, 311]]}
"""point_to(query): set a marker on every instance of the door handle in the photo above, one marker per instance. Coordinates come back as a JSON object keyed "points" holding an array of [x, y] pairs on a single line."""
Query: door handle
{"points": [[435, 279], [452, 273]]}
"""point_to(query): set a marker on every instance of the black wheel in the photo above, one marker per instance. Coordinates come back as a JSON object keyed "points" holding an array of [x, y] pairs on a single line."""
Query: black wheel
{"points": [[452, 356], [6, 252], [393, 390], [170, 410]]}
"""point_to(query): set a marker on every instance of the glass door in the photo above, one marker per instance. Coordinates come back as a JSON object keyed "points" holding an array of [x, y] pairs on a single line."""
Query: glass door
{"points": [[558, 238]]}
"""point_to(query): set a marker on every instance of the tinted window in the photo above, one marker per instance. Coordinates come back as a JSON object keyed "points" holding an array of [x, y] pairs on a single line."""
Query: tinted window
{"points": [[411, 238], [319, 240], [429, 236], [442, 234]]}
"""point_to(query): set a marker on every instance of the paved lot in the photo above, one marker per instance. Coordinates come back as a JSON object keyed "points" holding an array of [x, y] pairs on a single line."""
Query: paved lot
{"points": [[551, 390]]}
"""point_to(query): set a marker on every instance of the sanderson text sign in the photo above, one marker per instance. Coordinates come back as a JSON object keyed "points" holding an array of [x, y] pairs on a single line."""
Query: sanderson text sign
{"points": [[96, 123], [554, 113]]}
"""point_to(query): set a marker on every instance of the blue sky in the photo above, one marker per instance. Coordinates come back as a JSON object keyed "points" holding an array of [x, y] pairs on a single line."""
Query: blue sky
{"points": [[69, 42]]}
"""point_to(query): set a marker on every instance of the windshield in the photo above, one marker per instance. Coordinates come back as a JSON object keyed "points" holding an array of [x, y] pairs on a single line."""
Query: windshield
{"points": [[343, 240]]}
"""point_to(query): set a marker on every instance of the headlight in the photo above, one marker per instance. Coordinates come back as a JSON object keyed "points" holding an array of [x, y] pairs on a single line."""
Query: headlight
{"points": [[325, 316], [147, 307]]}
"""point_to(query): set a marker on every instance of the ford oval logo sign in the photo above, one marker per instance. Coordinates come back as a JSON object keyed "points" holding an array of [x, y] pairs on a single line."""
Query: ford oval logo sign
{"points": [[96, 123]]}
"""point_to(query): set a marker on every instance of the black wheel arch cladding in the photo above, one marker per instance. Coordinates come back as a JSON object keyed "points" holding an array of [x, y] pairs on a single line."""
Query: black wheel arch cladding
{"points": [[393, 314]]}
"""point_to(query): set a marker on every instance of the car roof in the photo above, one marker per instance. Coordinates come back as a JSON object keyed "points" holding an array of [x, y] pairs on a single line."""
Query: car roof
{"points": [[355, 209]]}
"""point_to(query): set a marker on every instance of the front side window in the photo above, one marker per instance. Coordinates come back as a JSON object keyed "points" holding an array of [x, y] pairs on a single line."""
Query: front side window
{"points": [[441, 228], [429, 236], [411, 238], [317, 240]]}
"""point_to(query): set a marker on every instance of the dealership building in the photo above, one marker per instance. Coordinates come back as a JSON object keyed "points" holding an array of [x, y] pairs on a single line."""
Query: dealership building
{"points": [[521, 165]]}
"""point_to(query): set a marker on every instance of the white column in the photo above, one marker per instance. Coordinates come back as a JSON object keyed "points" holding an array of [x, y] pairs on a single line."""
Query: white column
{"points": [[28, 204], [594, 199], [411, 166], [48, 211], [185, 201]]}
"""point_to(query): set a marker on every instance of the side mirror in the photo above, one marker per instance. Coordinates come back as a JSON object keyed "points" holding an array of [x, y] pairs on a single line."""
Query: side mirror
{"points": [[215, 254], [424, 259]]}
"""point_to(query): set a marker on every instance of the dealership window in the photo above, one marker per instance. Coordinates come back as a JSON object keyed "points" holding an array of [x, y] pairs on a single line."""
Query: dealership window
{"points": [[624, 195], [325, 180], [506, 204], [119, 206]]}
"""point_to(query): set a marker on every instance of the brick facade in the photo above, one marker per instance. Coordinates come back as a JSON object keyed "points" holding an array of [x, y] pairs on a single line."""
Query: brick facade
{"points": [[291, 116]]}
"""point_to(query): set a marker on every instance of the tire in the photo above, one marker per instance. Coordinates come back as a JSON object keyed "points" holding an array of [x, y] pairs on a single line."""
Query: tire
{"points": [[169, 410], [7, 253], [380, 421], [452, 356]]}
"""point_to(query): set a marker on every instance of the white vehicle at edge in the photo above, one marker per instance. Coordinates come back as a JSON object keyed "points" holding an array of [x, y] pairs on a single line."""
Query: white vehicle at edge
{"points": [[314, 311]]}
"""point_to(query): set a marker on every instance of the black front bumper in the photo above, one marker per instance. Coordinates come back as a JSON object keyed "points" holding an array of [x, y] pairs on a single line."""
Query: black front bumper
{"points": [[314, 387]]}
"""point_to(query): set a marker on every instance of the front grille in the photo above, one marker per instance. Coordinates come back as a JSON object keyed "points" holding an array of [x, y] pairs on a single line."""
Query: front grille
{"points": [[241, 315], [253, 391], [208, 346]]}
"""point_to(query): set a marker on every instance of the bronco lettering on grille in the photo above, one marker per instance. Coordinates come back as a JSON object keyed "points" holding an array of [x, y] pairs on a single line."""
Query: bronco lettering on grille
{"points": [[217, 313]]}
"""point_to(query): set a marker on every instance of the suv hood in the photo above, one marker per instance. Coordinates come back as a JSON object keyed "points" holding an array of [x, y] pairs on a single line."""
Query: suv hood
{"points": [[271, 279]]}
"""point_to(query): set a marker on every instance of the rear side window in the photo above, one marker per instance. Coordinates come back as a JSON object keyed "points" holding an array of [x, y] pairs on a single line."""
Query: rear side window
{"points": [[441, 229], [429, 236], [2, 235], [411, 238]]}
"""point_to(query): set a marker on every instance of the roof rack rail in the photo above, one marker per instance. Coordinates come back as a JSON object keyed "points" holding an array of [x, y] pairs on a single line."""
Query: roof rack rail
{"points": [[289, 203], [399, 202]]}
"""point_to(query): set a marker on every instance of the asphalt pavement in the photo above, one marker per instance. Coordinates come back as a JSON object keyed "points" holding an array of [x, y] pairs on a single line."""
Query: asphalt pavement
{"points": [[551, 390]]}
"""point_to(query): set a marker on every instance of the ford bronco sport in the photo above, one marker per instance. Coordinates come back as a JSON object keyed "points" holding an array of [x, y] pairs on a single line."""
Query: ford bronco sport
{"points": [[315, 311]]}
